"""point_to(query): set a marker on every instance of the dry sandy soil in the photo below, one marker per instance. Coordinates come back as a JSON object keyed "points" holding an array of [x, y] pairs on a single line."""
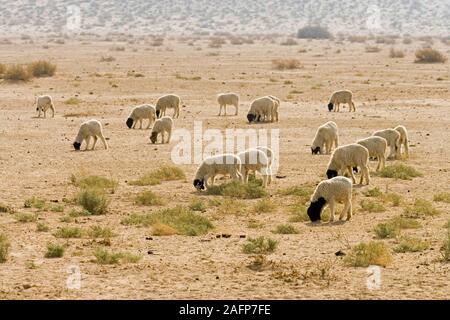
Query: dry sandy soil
{"points": [[36, 159]]}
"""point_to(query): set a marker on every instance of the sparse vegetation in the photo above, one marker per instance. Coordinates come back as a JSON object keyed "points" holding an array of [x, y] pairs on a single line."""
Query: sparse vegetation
{"points": [[197, 205], [409, 244], [107, 59], [299, 191], [264, 205], [179, 218], [286, 64], [372, 49], [299, 213], [100, 232], [230, 206], [286, 229], [420, 208], [429, 55], [392, 227], [104, 256], [260, 245], [25, 217], [399, 171], [4, 248], [148, 198], [372, 206], [16, 73], [373, 193], [314, 32], [395, 53], [442, 197], [394, 198], [54, 250], [68, 233], [445, 248], [94, 182], [5, 208], [41, 68], [42, 227], [92, 200], [34, 202], [165, 173], [237, 189], [73, 101], [366, 254]]}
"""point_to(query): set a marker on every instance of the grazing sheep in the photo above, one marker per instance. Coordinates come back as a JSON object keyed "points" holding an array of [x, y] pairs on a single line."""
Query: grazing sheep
{"points": [[392, 137], [221, 164], [43, 103], [347, 157], [338, 97], [88, 129], [170, 101], [377, 149], [277, 105], [140, 113], [403, 140], [269, 154], [228, 98], [327, 134], [257, 161], [161, 126], [264, 107], [337, 189]]}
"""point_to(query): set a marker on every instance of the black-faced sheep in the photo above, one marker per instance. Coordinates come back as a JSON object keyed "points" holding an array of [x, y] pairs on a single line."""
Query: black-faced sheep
{"points": [[262, 108], [225, 99], [43, 103], [338, 97], [162, 126], [139, 113], [170, 101], [329, 192], [346, 158], [221, 164], [326, 136], [88, 129]]}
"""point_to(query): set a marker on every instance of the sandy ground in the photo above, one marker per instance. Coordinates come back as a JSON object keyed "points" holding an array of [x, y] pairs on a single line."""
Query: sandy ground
{"points": [[36, 159]]}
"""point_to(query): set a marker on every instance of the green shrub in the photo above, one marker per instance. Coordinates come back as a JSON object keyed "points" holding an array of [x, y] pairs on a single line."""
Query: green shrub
{"points": [[374, 192], [387, 230], [372, 206], [42, 68], [94, 182], [366, 254], [286, 229], [165, 173], [237, 189], [429, 55], [181, 219], [442, 197], [54, 250], [103, 256], [42, 227], [399, 171], [93, 201], [264, 205], [4, 248], [197, 205], [68, 232], [260, 245], [445, 249], [16, 73], [25, 217], [408, 244], [420, 208], [148, 198], [100, 232], [34, 202]]}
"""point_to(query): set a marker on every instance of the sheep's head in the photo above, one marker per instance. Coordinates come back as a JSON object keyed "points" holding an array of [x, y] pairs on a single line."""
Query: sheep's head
{"points": [[331, 173], [77, 145], [315, 209], [153, 137], [315, 150], [355, 169], [199, 184], [251, 117], [330, 107], [129, 123]]}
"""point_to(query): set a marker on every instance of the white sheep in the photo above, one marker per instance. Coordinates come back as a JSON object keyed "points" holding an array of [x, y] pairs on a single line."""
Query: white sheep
{"points": [[338, 97], [255, 160], [337, 189], [270, 157], [403, 139], [377, 148], [228, 98], [346, 158], [220, 164], [392, 137], [43, 103], [162, 126], [264, 108], [88, 129], [326, 135], [169, 101], [139, 113]]}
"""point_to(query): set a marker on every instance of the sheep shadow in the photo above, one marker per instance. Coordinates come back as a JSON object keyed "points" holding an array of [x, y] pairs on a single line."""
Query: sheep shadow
{"points": [[326, 223]]}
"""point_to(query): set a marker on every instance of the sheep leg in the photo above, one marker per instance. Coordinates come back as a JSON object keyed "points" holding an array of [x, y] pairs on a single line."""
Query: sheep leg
{"points": [[270, 175], [364, 174], [39, 112], [220, 110], [95, 142], [347, 209], [45, 114], [350, 169], [207, 185], [149, 123], [53, 111], [225, 107], [405, 145], [88, 140], [354, 108], [104, 141], [169, 133], [162, 136], [331, 206], [236, 113]]}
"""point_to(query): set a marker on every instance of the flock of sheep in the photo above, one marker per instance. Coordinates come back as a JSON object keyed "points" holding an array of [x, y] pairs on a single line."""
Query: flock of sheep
{"points": [[344, 159]]}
